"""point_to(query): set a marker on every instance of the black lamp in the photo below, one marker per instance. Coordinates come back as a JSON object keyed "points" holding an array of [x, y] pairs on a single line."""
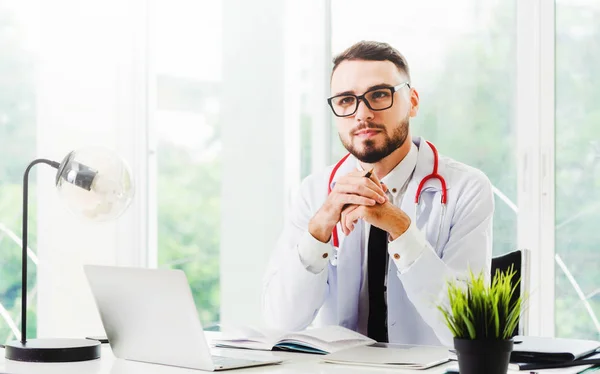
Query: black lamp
{"points": [[100, 193]]}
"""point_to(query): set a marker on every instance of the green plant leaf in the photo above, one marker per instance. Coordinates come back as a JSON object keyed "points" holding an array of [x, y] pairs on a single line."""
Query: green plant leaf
{"points": [[476, 310], [468, 322]]}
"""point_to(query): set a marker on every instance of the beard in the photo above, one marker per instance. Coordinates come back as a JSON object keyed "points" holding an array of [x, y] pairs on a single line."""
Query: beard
{"points": [[370, 153]]}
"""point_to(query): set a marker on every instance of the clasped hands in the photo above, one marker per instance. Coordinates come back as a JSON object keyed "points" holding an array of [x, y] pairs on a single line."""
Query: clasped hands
{"points": [[355, 197]]}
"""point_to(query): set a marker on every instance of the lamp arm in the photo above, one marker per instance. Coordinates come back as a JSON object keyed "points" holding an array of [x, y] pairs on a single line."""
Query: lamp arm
{"points": [[55, 165]]}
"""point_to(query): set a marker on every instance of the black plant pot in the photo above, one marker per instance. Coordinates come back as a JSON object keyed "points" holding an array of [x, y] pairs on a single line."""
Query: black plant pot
{"points": [[483, 355]]}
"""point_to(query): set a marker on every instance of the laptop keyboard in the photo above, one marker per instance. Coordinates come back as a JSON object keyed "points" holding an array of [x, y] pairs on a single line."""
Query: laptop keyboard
{"points": [[225, 362]]}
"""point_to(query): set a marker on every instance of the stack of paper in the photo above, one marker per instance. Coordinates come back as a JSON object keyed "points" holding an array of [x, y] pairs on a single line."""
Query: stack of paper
{"points": [[396, 355]]}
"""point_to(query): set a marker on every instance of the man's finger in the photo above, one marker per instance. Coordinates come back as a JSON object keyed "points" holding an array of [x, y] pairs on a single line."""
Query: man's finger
{"points": [[347, 199], [370, 190], [356, 214], [347, 225]]}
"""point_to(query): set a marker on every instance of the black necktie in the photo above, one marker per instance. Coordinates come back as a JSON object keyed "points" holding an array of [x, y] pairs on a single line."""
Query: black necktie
{"points": [[376, 267]]}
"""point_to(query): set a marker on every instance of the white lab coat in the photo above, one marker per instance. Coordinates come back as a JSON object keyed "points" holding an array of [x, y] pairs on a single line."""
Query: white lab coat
{"points": [[294, 297]]}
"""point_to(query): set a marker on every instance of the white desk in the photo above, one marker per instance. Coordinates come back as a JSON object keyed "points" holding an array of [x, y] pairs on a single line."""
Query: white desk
{"points": [[294, 363], [108, 364]]}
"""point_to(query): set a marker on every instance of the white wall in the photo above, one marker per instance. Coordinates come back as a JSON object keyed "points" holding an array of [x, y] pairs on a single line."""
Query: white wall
{"points": [[253, 151], [90, 92]]}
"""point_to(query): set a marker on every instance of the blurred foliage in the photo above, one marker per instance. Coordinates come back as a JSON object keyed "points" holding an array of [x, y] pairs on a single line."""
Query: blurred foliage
{"points": [[469, 113], [189, 223], [577, 167], [17, 149]]}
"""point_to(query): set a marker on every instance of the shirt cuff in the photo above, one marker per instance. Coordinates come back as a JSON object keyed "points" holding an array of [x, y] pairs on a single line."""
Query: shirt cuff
{"points": [[313, 253], [407, 248]]}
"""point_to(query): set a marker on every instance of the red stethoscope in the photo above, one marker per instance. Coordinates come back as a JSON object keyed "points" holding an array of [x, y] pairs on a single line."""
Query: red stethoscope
{"points": [[434, 175]]}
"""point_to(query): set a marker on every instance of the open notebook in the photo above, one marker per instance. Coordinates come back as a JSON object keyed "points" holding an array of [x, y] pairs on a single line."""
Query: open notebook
{"points": [[319, 340]]}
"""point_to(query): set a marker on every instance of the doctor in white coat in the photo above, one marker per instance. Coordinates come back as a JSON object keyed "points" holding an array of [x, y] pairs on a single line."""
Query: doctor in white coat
{"points": [[331, 265]]}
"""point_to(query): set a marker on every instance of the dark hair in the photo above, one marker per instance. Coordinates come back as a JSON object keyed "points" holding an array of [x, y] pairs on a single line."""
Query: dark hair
{"points": [[372, 51]]}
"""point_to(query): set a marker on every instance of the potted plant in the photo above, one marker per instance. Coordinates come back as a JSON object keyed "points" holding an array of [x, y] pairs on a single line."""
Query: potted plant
{"points": [[482, 319]]}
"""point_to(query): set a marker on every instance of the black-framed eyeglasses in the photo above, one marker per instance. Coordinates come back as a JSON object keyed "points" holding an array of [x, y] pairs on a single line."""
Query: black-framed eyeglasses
{"points": [[377, 98]]}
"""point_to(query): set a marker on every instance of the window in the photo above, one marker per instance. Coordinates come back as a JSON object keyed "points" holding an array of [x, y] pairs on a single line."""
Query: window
{"points": [[462, 57], [17, 150], [577, 169], [187, 61], [218, 72]]}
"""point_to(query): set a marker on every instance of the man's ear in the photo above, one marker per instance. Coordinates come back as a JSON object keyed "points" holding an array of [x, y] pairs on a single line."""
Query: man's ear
{"points": [[414, 102]]}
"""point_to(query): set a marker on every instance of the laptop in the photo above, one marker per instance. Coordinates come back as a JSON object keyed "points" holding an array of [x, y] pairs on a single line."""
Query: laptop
{"points": [[149, 315]]}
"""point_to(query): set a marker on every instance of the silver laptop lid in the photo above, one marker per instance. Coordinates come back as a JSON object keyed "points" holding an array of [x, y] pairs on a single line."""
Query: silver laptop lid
{"points": [[149, 315]]}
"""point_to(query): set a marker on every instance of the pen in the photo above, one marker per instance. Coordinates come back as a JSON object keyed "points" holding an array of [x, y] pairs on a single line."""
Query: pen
{"points": [[368, 175]]}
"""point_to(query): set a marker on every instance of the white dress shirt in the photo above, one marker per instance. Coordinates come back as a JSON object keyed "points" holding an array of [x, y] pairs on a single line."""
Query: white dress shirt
{"points": [[311, 250]]}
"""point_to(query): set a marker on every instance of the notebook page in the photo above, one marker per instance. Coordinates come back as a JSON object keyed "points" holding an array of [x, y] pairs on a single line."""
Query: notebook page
{"points": [[328, 339], [248, 337], [330, 334]]}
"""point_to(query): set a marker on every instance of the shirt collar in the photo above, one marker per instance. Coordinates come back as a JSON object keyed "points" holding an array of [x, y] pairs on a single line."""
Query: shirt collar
{"points": [[396, 179]]}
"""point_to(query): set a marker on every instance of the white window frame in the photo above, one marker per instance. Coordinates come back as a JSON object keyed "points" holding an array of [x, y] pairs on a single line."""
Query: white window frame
{"points": [[535, 155]]}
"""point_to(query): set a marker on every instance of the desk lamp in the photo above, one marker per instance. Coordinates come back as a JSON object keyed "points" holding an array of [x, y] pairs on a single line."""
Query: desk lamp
{"points": [[95, 184]]}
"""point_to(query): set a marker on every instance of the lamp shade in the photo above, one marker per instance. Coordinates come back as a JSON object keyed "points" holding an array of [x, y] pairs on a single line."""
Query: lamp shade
{"points": [[95, 183]]}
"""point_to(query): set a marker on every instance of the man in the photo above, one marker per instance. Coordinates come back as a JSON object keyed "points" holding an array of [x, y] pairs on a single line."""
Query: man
{"points": [[394, 257]]}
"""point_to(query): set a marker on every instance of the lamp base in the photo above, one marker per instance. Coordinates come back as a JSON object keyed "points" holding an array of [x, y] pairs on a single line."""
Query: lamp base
{"points": [[53, 350]]}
